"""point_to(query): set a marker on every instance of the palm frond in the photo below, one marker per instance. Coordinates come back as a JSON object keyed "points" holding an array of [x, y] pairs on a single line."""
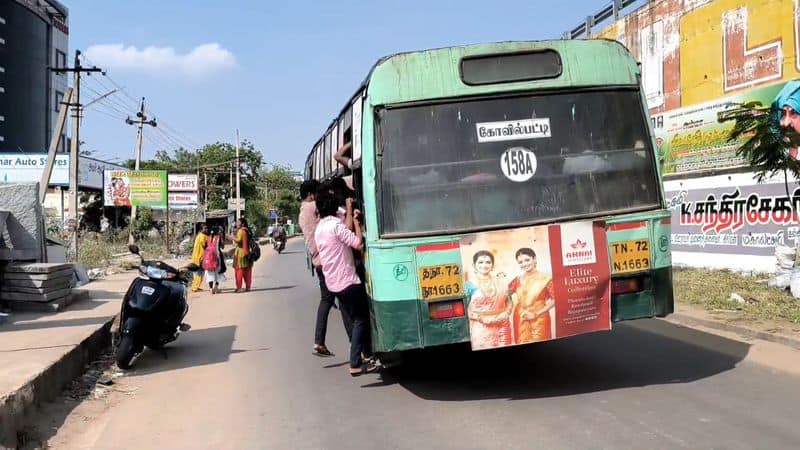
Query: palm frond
{"points": [[766, 148]]}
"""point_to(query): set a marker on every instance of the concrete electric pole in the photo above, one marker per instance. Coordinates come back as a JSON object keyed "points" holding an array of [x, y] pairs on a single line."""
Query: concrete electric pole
{"points": [[140, 122], [74, 218]]}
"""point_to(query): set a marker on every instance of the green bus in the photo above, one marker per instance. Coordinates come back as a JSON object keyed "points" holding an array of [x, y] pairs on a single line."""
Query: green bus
{"points": [[431, 134]]}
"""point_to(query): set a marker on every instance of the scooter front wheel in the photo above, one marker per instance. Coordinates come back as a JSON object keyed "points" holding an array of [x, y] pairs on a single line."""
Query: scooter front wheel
{"points": [[126, 351]]}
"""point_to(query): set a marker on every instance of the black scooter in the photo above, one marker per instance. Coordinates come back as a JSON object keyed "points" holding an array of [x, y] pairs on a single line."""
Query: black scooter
{"points": [[153, 309]]}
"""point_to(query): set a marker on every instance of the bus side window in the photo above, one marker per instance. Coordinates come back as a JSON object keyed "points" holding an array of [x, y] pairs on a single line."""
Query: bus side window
{"points": [[347, 138]]}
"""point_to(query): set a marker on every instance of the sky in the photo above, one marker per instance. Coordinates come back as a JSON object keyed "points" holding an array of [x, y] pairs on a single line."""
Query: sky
{"points": [[277, 71]]}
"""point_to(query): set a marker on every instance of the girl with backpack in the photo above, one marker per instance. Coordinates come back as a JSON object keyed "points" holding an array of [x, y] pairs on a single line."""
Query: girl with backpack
{"points": [[213, 261], [242, 262]]}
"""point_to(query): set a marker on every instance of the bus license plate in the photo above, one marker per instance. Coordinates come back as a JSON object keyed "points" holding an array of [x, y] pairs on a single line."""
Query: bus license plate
{"points": [[441, 281], [630, 256]]}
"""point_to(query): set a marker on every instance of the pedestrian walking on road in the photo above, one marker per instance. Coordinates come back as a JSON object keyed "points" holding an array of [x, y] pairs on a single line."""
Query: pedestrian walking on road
{"points": [[241, 261], [198, 250], [335, 244], [213, 261]]}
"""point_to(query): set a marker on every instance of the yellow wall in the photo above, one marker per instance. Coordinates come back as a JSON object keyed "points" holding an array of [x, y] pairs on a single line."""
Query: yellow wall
{"points": [[700, 34], [701, 48]]}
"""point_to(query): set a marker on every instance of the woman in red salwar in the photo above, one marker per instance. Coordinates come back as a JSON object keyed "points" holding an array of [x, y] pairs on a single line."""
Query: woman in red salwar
{"points": [[533, 297]]}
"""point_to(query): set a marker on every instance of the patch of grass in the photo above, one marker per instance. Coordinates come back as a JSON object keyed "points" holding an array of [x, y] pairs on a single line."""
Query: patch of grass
{"points": [[712, 289], [97, 249]]}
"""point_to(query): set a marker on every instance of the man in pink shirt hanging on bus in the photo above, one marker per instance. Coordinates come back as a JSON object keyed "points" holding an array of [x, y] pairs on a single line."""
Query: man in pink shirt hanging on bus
{"points": [[308, 223], [335, 244]]}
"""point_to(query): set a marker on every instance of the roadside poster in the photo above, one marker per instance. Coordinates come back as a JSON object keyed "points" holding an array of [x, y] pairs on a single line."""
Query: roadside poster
{"points": [[692, 138], [142, 188], [733, 215], [536, 284]]}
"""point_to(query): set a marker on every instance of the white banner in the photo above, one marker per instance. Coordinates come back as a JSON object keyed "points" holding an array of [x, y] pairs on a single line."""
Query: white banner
{"points": [[232, 204], [178, 182], [183, 200], [19, 168], [27, 168]]}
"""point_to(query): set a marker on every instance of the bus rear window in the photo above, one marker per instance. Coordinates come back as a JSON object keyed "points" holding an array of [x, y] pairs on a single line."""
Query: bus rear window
{"points": [[491, 69], [469, 165]]}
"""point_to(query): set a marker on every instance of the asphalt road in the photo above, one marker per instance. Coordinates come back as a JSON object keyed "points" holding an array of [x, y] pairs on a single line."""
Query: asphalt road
{"points": [[244, 378]]}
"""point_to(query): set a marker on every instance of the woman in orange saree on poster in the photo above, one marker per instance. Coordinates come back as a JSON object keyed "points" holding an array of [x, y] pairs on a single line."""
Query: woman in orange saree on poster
{"points": [[489, 308], [533, 297]]}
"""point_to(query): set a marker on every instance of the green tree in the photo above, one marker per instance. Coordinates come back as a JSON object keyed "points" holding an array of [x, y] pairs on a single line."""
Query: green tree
{"points": [[766, 149], [144, 222], [256, 214], [262, 189], [288, 205], [216, 161], [282, 191]]}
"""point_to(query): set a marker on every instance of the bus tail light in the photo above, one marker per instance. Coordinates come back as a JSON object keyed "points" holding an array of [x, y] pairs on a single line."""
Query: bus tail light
{"points": [[621, 286], [446, 310]]}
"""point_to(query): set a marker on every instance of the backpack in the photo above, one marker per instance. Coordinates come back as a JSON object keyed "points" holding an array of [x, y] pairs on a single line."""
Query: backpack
{"points": [[253, 249], [210, 260]]}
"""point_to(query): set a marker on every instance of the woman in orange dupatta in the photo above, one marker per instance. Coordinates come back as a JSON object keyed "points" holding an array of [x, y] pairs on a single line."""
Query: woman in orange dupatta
{"points": [[241, 263], [533, 297]]}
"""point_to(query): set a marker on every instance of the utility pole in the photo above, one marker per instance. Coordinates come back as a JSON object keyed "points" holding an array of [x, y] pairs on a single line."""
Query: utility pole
{"points": [[75, 148], [55, 140], [140, 122], [238, 186]]}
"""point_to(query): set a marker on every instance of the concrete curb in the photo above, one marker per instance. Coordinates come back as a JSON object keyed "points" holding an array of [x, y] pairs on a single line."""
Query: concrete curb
{"points": [[19, 407], [691, 321]]}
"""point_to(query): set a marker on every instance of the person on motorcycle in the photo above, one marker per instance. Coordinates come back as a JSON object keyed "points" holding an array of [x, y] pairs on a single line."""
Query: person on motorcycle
{"points": [[279, 237]]}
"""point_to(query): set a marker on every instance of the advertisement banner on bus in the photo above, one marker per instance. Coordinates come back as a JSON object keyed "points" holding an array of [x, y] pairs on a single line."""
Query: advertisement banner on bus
{"points": [[536, 284], [142, 188]]}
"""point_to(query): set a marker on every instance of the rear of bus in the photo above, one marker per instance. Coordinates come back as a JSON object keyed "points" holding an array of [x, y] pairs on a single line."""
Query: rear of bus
{"points": [[432, 177]]}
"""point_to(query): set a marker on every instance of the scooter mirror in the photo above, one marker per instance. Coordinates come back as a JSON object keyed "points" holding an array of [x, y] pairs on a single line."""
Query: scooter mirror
{"points": [[134, 249]]}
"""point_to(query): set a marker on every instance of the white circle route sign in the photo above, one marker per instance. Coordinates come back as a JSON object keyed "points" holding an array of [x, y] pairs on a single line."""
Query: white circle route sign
{"points": [[518, 164]]}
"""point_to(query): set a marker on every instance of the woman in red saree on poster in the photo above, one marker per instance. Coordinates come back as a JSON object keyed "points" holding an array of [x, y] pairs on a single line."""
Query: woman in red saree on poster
{"points": [[120, 193], [489, 308], [533, 296]]}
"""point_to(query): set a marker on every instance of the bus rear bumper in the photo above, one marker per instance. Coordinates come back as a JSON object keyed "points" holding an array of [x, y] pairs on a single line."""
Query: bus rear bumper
{"points": [[406, 324], [656, 301]]}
